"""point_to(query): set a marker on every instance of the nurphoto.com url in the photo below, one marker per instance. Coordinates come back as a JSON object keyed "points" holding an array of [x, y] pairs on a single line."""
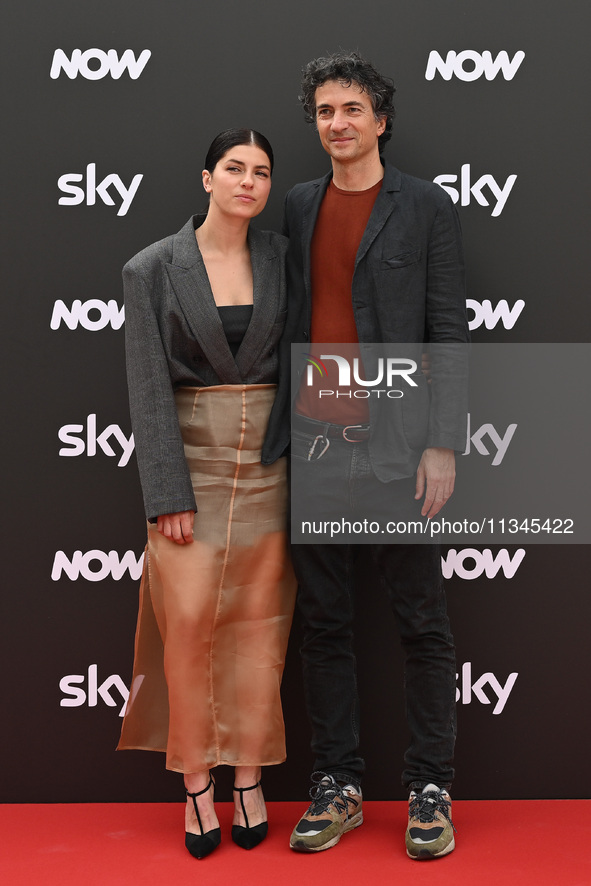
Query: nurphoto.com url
{"points": [[433, 528]]}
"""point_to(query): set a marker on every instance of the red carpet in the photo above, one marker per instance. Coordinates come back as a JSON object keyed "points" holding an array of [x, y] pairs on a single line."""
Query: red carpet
{"points": [[498, 842]]}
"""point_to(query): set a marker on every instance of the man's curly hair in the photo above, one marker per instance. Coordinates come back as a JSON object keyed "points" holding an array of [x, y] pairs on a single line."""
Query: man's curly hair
{"points": [[347, 68]]}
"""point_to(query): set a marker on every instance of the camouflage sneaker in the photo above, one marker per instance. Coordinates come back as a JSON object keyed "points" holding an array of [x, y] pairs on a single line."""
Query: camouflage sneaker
{"points": [[430, 831], [334, 810]]}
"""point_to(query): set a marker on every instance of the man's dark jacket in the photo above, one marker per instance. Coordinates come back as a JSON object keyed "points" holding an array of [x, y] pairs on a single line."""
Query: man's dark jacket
{"points": [[408, 286]]}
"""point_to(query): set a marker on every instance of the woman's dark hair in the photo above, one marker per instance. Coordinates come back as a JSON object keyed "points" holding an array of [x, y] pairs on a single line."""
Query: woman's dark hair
{"points": [[231, 138], [347, 68]]}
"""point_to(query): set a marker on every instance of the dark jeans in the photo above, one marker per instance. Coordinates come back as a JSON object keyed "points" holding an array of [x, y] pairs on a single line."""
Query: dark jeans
{"points": [[411, 577]]}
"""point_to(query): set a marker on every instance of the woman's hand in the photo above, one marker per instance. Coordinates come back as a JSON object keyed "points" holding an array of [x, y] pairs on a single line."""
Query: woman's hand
{"points": [[177, 527]]}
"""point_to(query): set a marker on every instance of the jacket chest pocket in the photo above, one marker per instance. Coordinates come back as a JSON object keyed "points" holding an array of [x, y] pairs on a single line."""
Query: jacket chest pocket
{"points": [[397, 261]]}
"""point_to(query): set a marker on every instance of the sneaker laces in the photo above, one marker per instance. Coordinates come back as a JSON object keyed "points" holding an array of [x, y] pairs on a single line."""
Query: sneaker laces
{"points": [[324, 791], [424, 806]]}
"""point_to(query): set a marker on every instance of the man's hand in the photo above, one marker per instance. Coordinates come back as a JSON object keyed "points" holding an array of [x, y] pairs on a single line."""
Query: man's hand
{"points": [[436, 472], [177, 527]]}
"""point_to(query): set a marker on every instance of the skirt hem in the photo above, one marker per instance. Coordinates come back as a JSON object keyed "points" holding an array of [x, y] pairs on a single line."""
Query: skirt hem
{"points": [[205, 765]]}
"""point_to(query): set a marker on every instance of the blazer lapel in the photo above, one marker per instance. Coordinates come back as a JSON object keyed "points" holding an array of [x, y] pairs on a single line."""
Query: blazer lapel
{"points": [[266, 279], [189, 279], [310, 209], [383, 208]]}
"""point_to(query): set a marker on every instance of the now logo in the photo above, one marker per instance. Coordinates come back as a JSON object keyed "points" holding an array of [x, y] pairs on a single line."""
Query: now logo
{"points": [[91, 189], [90, 442], [478, 63], [467, 688], [75, 695], [94, 64], [501, 313], [469, 563], [467, 190], [97, 565], [85, 314]]}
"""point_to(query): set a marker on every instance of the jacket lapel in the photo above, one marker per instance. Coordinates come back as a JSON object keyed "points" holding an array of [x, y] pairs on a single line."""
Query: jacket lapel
{"points": [[383, 208], [310, 209], [266, 278], [189, 279]]}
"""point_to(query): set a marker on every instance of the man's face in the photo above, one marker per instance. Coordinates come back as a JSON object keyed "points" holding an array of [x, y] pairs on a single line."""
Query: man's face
{"points": [[346, 122]]}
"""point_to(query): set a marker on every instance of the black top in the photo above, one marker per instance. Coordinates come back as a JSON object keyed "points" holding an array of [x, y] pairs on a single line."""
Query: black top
{"points": [[235, 320]]}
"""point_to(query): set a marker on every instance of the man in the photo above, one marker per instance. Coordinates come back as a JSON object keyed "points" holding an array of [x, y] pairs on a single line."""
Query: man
{"points": [[375, 256]]}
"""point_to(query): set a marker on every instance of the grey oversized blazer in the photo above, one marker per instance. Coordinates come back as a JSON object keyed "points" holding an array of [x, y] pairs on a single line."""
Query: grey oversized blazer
{"points": [[174, 337]]}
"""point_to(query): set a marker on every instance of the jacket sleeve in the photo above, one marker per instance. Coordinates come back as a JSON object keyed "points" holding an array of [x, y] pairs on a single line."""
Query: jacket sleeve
{"points": [[278, 434], [447, 331], [164, 473], [285, 218]]}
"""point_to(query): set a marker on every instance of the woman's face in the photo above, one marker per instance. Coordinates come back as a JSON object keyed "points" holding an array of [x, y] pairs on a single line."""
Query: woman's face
{"points": [[240, 182]]}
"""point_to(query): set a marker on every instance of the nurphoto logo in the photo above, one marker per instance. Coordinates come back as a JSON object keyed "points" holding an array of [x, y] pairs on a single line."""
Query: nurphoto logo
{"points": [[388, 371]]}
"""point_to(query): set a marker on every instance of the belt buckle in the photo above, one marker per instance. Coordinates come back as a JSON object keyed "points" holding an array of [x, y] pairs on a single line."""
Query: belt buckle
{"points": [[312, 449], [352, 428]]}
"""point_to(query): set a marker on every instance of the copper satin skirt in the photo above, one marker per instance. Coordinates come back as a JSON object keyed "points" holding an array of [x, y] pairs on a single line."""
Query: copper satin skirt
{"points": [[215, 615]]}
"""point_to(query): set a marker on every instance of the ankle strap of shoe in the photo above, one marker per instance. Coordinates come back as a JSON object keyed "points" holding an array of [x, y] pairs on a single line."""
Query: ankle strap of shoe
{"points": [[251, 788], [204, 791]]}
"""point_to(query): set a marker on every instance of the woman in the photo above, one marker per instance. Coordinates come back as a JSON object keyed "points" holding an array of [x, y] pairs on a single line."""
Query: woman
{"points": [[204, 312]]}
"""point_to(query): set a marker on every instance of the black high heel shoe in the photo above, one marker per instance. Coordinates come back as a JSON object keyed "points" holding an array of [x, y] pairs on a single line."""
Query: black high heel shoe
{"points": [[201, 845], [248, 838]]}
